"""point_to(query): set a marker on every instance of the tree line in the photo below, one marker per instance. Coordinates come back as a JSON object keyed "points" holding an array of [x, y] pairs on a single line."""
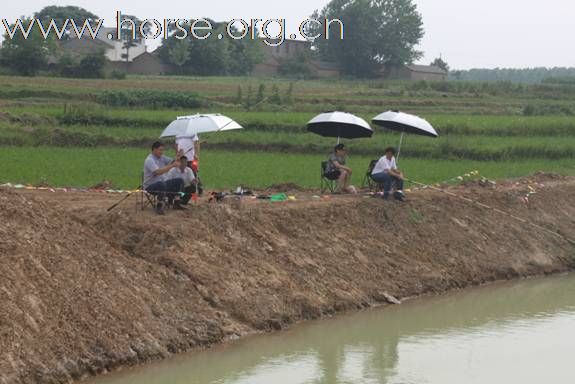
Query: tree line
{"points": [[377, 33], [555, 75]]}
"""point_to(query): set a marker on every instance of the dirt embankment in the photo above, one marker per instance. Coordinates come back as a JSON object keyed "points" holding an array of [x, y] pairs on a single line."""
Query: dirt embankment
{"points": [[83, 292]]}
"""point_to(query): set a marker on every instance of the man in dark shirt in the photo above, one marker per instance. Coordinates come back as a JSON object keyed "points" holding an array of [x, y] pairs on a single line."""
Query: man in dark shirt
{"points": [[337, 170]]}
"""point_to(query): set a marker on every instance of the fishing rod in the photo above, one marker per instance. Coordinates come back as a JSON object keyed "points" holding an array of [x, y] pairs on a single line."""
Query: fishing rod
{"points": [[497, 210], [139, 190], [121, 201]]}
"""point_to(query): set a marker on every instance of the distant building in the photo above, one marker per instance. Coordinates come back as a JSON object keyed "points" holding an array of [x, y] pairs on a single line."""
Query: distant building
{"points": [[273, 56], [140, 61], [77, 47], [289, 49], [325, 69], [416, 72], [113, 48], [148, 63]]}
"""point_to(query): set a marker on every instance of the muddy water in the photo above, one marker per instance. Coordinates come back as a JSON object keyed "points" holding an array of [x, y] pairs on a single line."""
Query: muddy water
{"points": [[508, 333]]}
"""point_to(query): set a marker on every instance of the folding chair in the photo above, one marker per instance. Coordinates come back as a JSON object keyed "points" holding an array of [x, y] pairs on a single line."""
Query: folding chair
{"points": [[367, 180], [145, 199], [325, 183]]}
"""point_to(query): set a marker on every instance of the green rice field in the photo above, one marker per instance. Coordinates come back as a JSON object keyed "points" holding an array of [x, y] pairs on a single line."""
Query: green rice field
{"points": [[68, 132], [85, 167]]}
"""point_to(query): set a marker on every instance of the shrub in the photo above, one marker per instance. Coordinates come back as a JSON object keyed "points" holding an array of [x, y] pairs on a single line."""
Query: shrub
{"points": [[261, 93], [288, 99], [529, 110], [275, 98], [90, 66], [118, 75], [149, 98], [421, 85], [296, 67], [239, 95]]}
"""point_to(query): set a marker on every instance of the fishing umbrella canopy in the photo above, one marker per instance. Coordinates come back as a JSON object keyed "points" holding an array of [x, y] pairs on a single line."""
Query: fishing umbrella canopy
{"points": [[340, 125], [188, 126], [405, 123]]}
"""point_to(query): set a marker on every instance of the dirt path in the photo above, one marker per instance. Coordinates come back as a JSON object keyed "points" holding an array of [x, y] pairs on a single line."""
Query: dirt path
{"points": [[83, 291]]}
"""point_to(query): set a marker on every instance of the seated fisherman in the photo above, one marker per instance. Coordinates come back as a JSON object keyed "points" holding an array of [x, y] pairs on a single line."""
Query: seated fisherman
{"points": [[186, 174], [337, 170], [156, 167], [385, 172]]}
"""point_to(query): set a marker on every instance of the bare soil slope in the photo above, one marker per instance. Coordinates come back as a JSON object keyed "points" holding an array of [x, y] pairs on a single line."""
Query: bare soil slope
{"points": [[83, 291]]}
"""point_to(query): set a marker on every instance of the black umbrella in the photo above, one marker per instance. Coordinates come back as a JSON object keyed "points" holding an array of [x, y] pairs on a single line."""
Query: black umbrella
{"points": [[405, 123], [340, 125]]}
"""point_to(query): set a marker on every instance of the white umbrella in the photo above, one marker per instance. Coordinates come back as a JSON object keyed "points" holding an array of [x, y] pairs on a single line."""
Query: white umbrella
{"points": [[188, 126], [405, 123], [340, 125]]}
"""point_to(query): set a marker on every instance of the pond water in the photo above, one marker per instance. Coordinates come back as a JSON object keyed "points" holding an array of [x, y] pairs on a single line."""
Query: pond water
{"points": [[522, 332]]}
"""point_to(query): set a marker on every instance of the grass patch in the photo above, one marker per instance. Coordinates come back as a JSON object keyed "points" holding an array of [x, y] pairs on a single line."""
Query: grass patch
{"points": [[415, 216], [123, 167], [446, 147]]}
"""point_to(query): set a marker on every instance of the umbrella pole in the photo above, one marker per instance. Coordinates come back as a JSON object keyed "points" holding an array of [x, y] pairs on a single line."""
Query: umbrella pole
{"points": [[400, 143]]}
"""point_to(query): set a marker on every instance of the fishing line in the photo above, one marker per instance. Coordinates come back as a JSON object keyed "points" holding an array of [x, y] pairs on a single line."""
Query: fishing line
{"points": [[497, 210]]}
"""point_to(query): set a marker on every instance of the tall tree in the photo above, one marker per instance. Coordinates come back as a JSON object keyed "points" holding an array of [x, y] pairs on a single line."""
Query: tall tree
{"points": [[244, 55], [26, 56], [212, 56], [376, 33], [130, 35], [439, 62], [179, 54], [62, 13]]}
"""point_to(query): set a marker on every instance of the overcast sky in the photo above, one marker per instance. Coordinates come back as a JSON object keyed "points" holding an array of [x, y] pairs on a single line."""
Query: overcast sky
{"points": [[467, 33]]}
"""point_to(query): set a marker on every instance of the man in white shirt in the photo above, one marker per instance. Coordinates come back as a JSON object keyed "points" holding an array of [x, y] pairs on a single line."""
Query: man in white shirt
{"points": [[186, 175], [190, 147], [386, 173]]}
